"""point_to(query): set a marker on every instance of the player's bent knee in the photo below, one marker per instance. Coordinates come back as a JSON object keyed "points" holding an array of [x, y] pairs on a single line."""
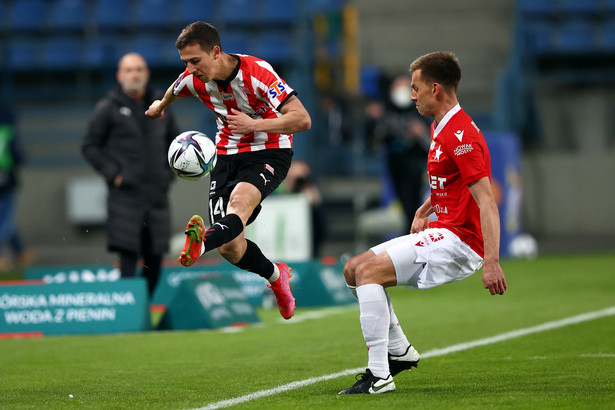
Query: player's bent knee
{"points": [[349, 268], [365, 273], [230, 251]]}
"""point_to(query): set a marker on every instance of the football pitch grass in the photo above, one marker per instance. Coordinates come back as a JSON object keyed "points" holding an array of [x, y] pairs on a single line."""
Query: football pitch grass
{"points": [[296, 364]]}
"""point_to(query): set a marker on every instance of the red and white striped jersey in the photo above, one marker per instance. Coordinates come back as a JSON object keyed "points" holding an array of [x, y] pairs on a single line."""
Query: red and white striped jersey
{"points": [[255, 89]]}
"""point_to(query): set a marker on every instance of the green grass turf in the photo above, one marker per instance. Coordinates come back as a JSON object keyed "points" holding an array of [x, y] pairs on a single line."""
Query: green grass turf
{"points": [[570, 367]]}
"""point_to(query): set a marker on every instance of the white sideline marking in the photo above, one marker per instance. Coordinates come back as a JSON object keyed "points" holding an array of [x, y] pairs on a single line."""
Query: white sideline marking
{"points": [[556, 324]]}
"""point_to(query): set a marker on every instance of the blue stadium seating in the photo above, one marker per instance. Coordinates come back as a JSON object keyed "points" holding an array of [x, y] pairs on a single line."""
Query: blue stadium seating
{"points": [[236, 42], [195, 10], [27, 16], [274, 47], [537, 8], [279, 12], [239, 12], [581, 7], [62, 53], [576, 36], [24, 54], [69, 15], [100, 52], [323, 6], [153, 14], [157, 50], [113, 15], [536, 38], [607, 36]]}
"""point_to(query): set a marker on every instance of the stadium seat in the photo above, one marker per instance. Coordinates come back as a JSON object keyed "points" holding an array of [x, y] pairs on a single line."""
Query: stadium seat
{"points": [[239, 12], [157, 50], [113, 15], [576, 36], [537, 37], [23, 54], [580, 7], [61, 53], [236, 42], [99, 52], [607, 36], [323, 6], [537, 8], [153, 14], [279, 12], [69, 15], [274, 47], [27, 16], [195, 10]]}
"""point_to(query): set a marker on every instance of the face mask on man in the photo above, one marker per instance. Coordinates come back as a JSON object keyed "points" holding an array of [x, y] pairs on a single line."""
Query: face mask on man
{"points": [[401, 96]]}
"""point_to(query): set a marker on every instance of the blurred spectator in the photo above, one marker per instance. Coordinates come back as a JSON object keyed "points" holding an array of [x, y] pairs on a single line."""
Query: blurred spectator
{"points": [[11, 159], [397, 125], [130, 152], [299, 180]]}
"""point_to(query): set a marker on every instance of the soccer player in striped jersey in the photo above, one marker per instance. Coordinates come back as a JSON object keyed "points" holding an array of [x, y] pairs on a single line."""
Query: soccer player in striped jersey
{"points": [[257, 113], [465, 236]]}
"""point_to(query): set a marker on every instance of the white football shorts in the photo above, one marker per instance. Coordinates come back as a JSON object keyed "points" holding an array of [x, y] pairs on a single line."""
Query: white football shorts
{"points": [[430, 258]]}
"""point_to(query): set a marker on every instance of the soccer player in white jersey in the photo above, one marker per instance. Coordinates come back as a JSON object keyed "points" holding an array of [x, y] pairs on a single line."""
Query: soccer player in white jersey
{"points": [[465, 236], [257, 113]]}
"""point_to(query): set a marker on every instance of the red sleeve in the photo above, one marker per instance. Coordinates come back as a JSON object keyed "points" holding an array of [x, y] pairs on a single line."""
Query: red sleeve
{"points": [[469, 155], [182, 86]]}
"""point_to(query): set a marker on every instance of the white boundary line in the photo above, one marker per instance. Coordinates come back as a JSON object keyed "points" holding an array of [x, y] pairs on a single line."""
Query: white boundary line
{"points": [[432, 353]]}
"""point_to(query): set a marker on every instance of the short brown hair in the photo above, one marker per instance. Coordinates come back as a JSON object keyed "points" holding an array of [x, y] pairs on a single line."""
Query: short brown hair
{"points": [[203, 34], [439, 67]]}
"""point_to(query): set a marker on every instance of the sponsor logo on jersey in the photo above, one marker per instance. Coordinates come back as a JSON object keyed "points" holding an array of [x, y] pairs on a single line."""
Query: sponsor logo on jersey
{"points": [[125, 111], [459, 135], [463, 149], [436, 182], [276, 89], [227, 96]]}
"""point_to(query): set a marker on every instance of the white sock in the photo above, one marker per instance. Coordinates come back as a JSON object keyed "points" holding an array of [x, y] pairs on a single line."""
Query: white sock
{"points": [[398, 342], [275, 275], [375, 325]]}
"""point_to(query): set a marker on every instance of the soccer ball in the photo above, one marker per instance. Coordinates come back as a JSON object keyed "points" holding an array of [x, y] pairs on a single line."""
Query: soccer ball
{"points": [[192, 155]]}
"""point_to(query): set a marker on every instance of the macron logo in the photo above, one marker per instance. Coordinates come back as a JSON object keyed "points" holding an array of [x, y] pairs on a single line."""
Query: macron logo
{"points": [[459, 135]]}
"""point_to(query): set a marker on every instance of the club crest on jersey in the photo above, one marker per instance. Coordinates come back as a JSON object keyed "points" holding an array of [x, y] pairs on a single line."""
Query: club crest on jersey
{"points": [[276, 89]]}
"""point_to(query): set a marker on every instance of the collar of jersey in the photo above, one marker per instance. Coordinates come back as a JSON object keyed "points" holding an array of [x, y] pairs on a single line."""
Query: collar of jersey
{"points": [[445, 119], [225, 83]]}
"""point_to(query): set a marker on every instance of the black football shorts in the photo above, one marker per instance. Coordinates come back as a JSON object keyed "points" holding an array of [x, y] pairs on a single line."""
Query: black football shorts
{"points": [[264, 169]]}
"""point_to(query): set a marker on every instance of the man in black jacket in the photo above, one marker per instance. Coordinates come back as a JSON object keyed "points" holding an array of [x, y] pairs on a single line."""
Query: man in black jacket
{"points": [[130, 152]]}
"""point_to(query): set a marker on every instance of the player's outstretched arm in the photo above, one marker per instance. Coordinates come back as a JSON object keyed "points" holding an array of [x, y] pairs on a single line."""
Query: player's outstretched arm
{"points": [[493, 276], [421, 217], [294, 118], [156, 109]]}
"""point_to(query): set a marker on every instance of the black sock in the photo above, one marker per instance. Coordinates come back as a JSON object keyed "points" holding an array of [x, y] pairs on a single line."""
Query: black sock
{"points": [[223, 231], [254, 261]]}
